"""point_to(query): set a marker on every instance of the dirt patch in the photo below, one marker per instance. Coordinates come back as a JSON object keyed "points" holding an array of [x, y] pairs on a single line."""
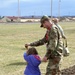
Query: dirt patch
{"points": [[69, 71]]}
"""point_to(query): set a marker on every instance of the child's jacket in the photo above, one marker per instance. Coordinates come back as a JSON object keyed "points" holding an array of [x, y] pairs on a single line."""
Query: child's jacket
{"points": [[33, 62]]}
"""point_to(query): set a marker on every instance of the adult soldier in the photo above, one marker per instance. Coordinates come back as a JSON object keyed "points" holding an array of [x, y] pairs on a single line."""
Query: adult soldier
{"points": [[53, 42]]}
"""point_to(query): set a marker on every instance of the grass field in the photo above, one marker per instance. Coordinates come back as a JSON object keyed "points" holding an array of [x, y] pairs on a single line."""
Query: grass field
{"points": [[14, 36]]}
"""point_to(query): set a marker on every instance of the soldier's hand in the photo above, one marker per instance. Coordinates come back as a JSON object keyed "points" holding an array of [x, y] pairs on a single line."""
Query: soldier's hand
{"points": [[44, 59], [26, 46]]}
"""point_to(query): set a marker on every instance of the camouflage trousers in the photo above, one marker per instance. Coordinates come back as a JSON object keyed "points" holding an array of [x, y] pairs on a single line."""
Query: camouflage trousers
{"points": [[53, 67]]}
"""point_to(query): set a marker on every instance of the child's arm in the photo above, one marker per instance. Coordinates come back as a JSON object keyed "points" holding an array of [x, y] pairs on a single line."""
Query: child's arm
{"points": [[25, 56]]}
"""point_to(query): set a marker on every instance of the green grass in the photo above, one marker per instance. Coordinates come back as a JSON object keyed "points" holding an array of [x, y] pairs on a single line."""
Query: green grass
{"points": [[12, 40]]}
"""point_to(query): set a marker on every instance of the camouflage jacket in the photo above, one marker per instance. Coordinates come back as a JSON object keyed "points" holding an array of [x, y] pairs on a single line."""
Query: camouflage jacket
{"points": [[61, 31], [51, 38]]}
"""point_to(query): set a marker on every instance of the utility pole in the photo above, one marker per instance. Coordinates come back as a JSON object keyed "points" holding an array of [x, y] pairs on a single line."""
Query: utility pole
{"points": [[51, 8], [59, 9], [18, 11]]}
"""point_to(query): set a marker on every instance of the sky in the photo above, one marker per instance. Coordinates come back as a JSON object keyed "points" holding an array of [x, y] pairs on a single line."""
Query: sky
{"points": [[37, 7]]}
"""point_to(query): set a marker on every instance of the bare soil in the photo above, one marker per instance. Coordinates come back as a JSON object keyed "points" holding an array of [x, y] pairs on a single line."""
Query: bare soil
{"points": [[69, 71]]}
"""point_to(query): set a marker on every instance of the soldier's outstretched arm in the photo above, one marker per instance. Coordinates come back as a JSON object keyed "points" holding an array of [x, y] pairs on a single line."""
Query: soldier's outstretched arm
{"points": [[37, 43]]}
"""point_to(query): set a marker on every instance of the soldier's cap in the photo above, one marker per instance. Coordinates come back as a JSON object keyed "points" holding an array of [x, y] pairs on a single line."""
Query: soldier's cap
{"points": [[44, 18]]}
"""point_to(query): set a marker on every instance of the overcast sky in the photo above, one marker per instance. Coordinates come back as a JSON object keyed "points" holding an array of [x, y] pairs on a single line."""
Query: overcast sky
{"points": [[36, 7]]}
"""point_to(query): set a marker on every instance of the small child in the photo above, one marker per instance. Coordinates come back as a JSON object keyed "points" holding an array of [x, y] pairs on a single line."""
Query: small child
{"points": [[33, 62]]}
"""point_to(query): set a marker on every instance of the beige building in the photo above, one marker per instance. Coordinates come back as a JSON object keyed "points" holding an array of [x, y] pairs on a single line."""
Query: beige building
{"points": [[10, 19]]}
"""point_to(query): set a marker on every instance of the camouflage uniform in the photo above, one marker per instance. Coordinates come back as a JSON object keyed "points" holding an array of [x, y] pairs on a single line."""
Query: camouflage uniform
{"points": [[54, 52]]}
